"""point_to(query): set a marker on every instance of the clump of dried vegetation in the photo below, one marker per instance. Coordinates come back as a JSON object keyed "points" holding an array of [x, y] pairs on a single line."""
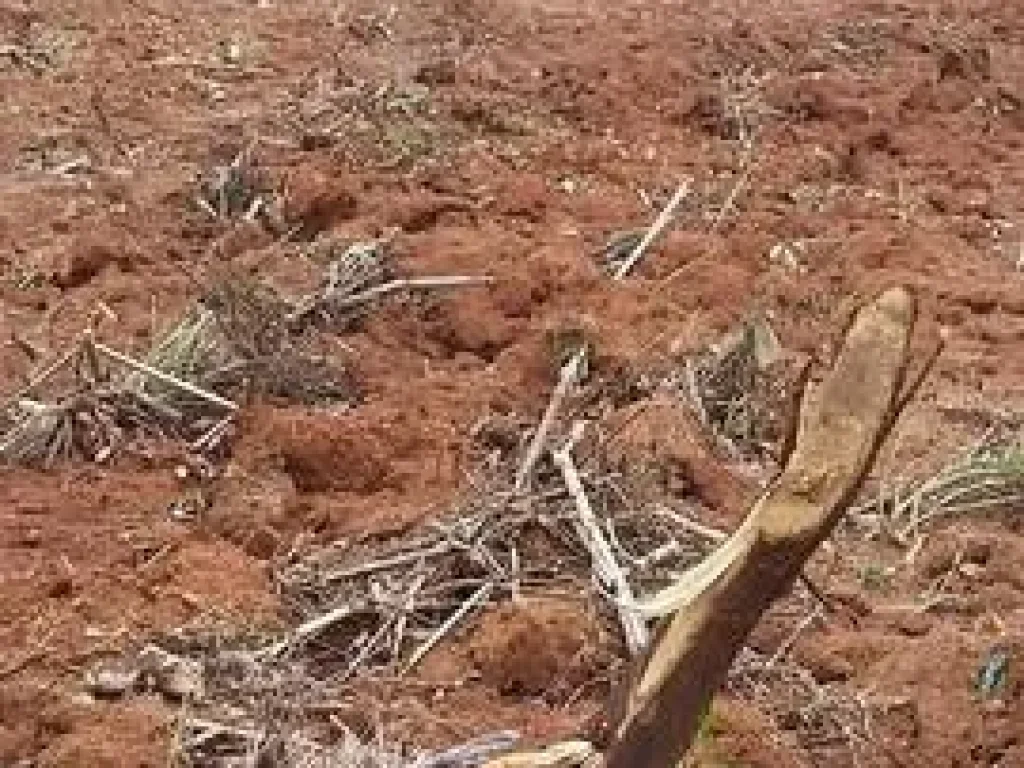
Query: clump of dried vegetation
{"points": [[986, 477], [370, 612], [241, 190], [92, 401]]}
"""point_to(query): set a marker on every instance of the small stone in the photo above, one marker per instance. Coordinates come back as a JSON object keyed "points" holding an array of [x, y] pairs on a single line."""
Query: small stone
{"points": [[111, 683]]}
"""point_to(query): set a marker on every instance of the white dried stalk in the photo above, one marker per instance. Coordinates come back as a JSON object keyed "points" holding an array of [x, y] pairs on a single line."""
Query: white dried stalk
{"points": [[569, 374], [164, 378], [655, 230], [571, 370], [475, 599], [602, 559], [310, 629], [44, 375]]}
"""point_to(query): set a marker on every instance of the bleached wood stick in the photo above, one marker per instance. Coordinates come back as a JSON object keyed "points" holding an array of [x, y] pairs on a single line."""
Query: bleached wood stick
{"points": [[567, 377], [659, 226], [310, 629], [474, 600], [163, 377], [602, 558]]}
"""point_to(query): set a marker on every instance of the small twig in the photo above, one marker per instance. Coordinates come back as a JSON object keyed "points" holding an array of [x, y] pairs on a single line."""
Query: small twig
{"points": [[691, 525], [783, 650], [163, 377], [368, 648], [208, 729], [310, 629], [403, 616], [389, 562], [730, 199], [659, 226], [913, 385], [43, 376], [475, 599], [568, 376], [18, 665]]}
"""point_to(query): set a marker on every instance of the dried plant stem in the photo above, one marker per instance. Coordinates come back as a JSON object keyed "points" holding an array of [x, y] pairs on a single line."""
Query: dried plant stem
{"points": [[603, 560], [44, 375], [164, 378], [734, 193], [474, 600], [571, 370], [389, 562], [569, 374], [655, 230], [310, 629]]}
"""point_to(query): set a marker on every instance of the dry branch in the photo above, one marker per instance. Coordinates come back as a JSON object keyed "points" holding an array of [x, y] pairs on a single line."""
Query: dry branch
{"points": [[659, 226], [714, 607], [604, 563], [164, 378], [474, 600], [567, 377], [573, 368]]}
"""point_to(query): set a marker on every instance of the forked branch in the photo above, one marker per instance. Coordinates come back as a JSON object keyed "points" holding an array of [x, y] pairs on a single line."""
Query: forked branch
{"points": [[712, 609]]}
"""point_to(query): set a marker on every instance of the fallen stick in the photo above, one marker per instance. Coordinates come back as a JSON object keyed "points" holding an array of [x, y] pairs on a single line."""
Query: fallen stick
{"points": [[569, 374], [571, 370], [601, 556], [474, 600], [655, 230], [310, 629], [711, 611], [692, 526], [163, 377], [210, 438], [389, 562], [731, 198]]}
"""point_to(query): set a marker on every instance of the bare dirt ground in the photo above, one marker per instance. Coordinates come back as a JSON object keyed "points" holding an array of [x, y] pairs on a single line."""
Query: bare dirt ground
{"points": [[834, 147]]}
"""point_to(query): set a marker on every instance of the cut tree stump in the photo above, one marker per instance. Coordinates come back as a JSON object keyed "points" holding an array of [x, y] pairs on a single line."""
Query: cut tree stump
{"points": [[714, 607]]}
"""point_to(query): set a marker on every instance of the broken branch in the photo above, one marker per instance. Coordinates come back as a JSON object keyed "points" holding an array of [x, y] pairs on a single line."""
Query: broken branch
{"points": [[716, 605], [659, 226]]}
